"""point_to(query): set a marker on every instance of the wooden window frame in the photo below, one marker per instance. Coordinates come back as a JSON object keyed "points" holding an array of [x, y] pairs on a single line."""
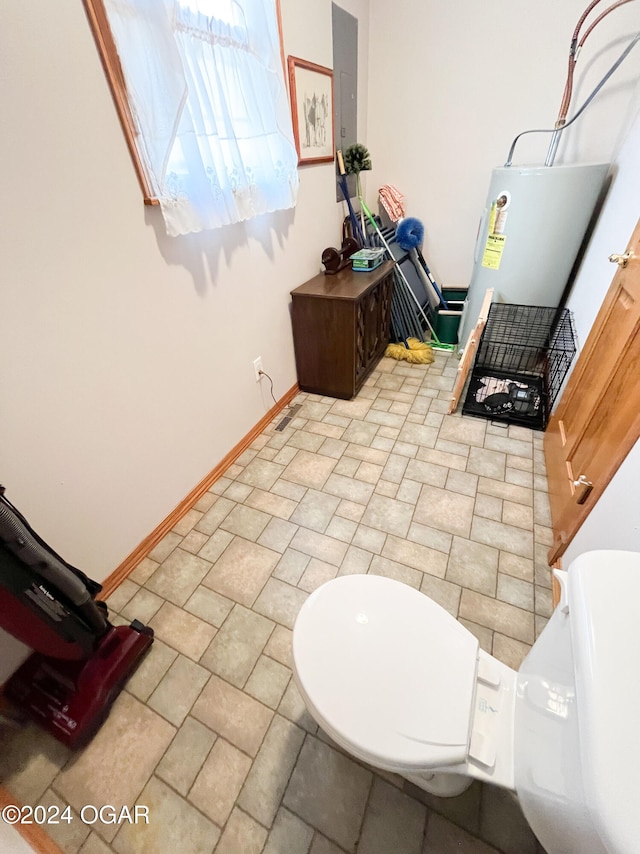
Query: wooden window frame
{"points": [[113, 71], [103, 37]]}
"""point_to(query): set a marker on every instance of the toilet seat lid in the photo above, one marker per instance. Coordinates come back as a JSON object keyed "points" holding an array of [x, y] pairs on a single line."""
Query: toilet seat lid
{"points": [[387, 671]]}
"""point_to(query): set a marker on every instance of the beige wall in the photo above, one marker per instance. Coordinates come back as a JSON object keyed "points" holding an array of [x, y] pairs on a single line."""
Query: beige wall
{"points": [[452, 83], [127, 373]]}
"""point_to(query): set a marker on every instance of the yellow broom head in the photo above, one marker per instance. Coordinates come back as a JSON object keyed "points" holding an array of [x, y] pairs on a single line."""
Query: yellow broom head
{"points": [[416, 352]]}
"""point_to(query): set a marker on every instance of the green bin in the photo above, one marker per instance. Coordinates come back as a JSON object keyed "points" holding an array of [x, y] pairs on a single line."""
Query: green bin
{"points": [[448, 321], [455, 292]]}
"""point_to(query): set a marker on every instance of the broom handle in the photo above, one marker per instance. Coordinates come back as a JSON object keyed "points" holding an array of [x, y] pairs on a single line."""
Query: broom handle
{"points": [[352, 214], [355, 225], [426, 269]]}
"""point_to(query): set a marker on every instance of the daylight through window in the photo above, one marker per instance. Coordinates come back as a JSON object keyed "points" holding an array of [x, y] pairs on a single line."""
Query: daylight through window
{"points": [[205, 92]]}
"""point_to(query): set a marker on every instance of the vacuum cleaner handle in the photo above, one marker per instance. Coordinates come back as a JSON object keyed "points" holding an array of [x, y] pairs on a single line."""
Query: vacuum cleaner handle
{"points": [[21, 540]]}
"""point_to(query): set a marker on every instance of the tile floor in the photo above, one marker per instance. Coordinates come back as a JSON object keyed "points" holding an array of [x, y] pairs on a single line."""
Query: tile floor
{"points": [[210, 732]]}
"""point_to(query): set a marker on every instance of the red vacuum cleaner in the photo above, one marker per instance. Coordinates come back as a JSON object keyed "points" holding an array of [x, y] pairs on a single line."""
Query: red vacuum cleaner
{"points": [[80, 661]]}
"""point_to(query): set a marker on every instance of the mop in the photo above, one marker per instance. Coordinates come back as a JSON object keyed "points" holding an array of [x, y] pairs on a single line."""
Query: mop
{"points": [[406, 330], [411, 350], [404, 321], [435, 342]]}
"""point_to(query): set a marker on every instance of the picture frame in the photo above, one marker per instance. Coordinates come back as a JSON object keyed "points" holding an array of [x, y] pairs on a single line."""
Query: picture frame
{"points": [[311, 91]]}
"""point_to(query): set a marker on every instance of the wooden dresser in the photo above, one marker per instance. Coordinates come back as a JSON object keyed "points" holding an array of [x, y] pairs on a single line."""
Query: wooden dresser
{"points": [[341, 329]]}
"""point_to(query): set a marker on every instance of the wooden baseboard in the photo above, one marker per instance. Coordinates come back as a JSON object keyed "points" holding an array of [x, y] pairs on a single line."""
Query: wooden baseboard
{"points": [[129, 563], [33, 834]]}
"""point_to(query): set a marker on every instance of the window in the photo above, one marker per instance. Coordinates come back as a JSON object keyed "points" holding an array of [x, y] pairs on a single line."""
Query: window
{"points": [[199, 86]]}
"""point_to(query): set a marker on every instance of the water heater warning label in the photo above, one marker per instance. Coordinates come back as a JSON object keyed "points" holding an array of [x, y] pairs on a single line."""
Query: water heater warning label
{"points": [[496, 237], [493, 250]]}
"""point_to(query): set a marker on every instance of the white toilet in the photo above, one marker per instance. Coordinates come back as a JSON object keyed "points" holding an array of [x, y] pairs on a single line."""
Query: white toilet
{"points": [[397, 682]]}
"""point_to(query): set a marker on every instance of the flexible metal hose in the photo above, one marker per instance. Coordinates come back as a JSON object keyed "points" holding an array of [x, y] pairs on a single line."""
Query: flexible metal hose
{"points": [[557, 131]]}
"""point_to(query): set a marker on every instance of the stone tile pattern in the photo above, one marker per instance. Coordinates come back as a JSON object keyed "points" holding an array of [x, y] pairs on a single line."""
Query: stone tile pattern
{"points": [[387, 484]]}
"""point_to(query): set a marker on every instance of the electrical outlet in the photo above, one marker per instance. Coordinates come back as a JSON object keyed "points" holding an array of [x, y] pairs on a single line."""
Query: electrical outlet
{"points": [[257, 368]]}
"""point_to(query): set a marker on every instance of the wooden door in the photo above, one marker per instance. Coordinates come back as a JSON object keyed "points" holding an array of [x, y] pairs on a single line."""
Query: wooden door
{"points": [[598, 418]]}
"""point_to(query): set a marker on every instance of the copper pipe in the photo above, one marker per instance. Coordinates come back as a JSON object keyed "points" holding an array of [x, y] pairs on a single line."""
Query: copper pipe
{"points": [[557, 132], [568, 92], [599, 18], [585, 14], [573, 54]]}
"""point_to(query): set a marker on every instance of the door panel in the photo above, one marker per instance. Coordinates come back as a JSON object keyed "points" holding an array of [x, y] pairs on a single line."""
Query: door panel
{"points": [[598, 418]]}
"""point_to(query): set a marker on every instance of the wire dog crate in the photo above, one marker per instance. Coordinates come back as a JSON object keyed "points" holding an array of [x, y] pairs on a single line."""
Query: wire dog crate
{"points": [[524, 354]]}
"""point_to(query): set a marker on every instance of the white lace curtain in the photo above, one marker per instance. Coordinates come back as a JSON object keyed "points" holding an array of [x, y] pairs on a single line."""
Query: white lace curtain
{"points": [[208, 97]]}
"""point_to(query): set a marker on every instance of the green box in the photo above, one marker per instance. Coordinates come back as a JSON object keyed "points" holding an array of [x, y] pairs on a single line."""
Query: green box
{"points": [[447, 323], [367, 259], [455, 292]]}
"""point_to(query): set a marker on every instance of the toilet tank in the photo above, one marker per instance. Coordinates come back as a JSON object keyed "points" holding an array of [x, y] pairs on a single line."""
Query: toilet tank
{"points": [[576, 744]]}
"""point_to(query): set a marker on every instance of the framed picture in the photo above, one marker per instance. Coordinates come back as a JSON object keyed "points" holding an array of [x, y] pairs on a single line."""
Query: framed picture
{"points": [[311, 89]]}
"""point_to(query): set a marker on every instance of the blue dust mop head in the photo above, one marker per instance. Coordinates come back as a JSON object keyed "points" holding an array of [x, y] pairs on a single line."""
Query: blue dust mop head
{"points": [[409, 233]]}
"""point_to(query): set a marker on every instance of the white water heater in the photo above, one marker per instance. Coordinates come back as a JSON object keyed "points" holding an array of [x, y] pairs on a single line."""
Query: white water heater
{"points": [[531, 229]]}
